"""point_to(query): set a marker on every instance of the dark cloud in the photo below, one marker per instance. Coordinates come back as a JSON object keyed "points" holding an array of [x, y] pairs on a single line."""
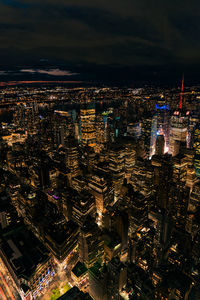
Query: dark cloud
{"points": [[100, 32]]}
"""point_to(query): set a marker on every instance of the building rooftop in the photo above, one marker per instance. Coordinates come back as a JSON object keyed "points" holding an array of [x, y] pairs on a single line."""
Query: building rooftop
{"points": [[79, 269], [23, 251], [75, 294]]}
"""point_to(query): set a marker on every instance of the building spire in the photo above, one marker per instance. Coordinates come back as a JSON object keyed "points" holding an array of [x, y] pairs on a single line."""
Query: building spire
{"points": [[181, 96]]}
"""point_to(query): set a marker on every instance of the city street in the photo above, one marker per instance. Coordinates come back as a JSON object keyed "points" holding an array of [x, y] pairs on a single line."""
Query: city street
{"points": [[7, 286]]}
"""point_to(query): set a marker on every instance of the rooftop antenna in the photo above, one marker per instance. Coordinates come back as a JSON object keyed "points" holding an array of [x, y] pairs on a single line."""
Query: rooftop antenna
{"points": [[181, 96]]}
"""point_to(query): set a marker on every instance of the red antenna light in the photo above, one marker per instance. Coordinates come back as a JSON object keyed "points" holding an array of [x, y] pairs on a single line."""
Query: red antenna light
{"points": [[181, 97]]}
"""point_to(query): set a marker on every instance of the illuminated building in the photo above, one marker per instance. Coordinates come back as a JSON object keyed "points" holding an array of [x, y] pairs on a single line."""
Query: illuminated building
{"points": [[129, 159], [112, 245], [88, 131], [79, 183], [191, 175], [90, 243], [116, 167], [142, 177], [101, 131], [146, 133], [31, 268], [180, 170], [179, 200], [72, 161], [178, 131], [134, 129], [79, 275], [138, 210], [83, 205], [160, 125], [102, 192], [193, 124], [63, 240]]}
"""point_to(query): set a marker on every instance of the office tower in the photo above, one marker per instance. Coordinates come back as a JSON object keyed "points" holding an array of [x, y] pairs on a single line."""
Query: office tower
{"points": [[116, 167], [180, 164], [146, 133], [102, 192], [160, 125], [107, 282], [163, 225], [28, 261], [39, 170], [193, 124], [129, 159], [162, 179], [98, 282], [191, 175], [88, 131], [160, 145], [134, 130], [138, 210], [117, 220], [178, 130], [72, 156], [90, 243], [83, 204], [197, 149], [179, 200], [117, 278], [142, 177], [101, 131]]}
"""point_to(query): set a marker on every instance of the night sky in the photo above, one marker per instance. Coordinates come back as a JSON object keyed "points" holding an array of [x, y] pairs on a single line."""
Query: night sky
{"points": [[99, 39]]}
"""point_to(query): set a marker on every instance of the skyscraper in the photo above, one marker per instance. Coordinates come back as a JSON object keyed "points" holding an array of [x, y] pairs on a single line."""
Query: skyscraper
{"points": [[178, 130], [88, 132], [160, 125]]}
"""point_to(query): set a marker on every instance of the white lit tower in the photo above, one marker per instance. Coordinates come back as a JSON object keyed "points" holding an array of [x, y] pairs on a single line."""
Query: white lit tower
{"points": [[178, 126], [160, 126]]}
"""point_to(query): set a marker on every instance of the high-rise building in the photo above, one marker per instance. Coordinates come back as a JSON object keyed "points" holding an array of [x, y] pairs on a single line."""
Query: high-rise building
{"points": [[160, 144], [146, 133], [129, 159], [72, 159], [83, 205], [180, 170], [142, 177], [116, 167], [138, 210], [178, 130], [88, 131], [162, 179], [90, 243], [160, 125], [102, 192]]}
